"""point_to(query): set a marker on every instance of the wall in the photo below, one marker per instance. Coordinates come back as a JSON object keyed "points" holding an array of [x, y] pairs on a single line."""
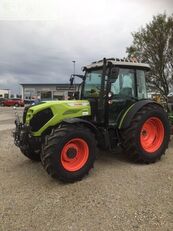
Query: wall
{"points": [[4, 93]]}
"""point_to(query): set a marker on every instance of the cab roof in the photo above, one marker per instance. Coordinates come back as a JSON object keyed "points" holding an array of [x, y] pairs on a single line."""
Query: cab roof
{"points": [[119, 62]]}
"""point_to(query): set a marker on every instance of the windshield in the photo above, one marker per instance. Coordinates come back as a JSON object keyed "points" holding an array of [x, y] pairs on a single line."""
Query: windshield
{"points": [[92, 83]]}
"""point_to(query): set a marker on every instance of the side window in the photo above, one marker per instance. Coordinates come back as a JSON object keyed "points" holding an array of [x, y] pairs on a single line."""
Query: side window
{"points": [[93, 83], [124, 85], [142, 91]]}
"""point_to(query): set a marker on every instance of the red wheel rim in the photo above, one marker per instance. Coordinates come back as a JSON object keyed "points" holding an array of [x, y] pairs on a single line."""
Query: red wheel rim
{"points": [[74, 154], [152, 134]]}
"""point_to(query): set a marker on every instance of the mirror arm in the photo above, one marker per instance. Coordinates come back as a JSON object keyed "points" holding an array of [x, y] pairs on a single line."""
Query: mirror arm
{"points": [[76, 75]]}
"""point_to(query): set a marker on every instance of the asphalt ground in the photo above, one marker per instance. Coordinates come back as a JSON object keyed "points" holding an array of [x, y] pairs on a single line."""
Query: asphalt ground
{"points": [[116, 195]]}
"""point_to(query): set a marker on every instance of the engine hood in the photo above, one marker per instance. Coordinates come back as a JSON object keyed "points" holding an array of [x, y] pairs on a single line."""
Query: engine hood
{"points": [[60, 110]]}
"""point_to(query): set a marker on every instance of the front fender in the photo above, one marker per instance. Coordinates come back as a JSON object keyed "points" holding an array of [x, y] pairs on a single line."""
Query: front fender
{"points": [[86, 123]]}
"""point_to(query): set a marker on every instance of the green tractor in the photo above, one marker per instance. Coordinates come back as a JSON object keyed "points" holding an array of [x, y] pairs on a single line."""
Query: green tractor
{"points": [[110, 110]]}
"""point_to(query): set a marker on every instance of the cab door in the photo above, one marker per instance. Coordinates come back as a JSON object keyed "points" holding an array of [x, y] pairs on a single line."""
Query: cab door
{"points": [[124, 92]]}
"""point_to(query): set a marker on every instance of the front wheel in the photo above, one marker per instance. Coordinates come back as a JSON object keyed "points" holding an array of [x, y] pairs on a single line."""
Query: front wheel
{"points": [[30, 153], [147, 138], [69, 153]]}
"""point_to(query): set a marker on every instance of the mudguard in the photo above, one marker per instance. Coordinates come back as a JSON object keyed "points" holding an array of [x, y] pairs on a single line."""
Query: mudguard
{"points": [[86, 123], [127, 115]]}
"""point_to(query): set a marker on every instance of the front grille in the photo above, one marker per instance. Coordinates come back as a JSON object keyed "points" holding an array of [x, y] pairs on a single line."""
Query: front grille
{"points": [[40, 119]]}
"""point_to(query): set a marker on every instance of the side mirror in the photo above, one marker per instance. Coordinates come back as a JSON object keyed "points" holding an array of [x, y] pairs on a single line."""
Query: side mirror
{"points": [[114, 72], [71, 80]]}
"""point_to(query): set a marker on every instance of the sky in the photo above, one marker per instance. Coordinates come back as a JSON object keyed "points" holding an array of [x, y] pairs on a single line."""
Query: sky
{"points": [[39, 39]]}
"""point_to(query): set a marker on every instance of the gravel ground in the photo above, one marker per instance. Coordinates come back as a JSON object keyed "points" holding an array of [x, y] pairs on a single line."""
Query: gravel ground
{"points": [[117, 195]]}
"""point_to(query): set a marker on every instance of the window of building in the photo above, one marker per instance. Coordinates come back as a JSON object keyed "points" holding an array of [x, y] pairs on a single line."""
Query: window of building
{"points": [[46, 95]]}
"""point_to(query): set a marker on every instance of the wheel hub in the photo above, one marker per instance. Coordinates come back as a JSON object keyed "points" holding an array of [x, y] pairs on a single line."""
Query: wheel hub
{"points": [[74, 154], [152, 134], [71, 153], [144, 133]]}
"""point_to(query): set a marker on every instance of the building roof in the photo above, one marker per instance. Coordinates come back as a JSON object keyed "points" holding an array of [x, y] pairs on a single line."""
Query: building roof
{"points": [[54, 84]]}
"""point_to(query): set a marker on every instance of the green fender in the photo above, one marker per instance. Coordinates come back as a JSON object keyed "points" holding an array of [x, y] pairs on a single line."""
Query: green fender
{"points": [[126, 116], [80, 121]]}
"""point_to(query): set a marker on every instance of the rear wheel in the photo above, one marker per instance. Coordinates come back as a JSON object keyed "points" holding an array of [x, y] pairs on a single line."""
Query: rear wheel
{"points": [[146, 140], [69, 153]]}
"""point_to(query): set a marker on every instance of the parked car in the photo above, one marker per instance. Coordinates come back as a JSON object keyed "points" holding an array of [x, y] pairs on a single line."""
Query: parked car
{"points": [[13, 102], [31, 101]]}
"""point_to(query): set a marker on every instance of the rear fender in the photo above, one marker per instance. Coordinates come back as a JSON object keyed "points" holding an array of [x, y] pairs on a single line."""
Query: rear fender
{"points": [[127, 115]]}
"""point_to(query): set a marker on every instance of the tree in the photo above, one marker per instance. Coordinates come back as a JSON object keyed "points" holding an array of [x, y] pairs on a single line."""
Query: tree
{"points": [[153, 44]]}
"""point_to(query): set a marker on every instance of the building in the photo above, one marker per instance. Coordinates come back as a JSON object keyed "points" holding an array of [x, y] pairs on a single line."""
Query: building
{"points": [[5, 93], [47, 91]]}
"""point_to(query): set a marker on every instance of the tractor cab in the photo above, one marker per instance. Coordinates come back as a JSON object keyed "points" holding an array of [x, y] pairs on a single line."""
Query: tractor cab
{"points": [[111, 85]]}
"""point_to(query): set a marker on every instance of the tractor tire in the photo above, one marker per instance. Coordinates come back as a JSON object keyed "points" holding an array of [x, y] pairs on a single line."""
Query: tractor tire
{"points": [[69, 153], [30, 153], [147, 138]]}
